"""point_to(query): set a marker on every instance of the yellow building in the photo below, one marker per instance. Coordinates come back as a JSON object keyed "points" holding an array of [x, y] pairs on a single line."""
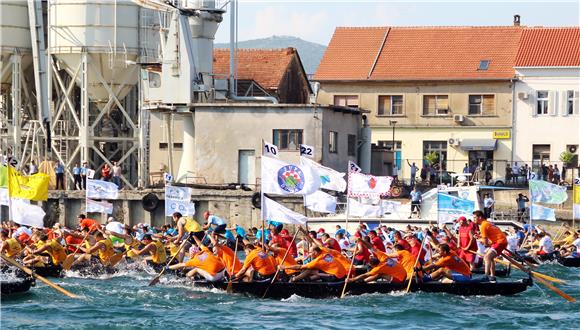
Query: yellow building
{"points": [[447, 90]]}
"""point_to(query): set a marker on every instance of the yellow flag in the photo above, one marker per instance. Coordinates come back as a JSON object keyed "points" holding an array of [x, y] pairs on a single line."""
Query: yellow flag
{"points": [[33, 187], [577, 194]]}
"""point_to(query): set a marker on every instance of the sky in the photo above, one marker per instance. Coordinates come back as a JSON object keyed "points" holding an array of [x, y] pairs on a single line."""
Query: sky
{"points": [[315, 20]]}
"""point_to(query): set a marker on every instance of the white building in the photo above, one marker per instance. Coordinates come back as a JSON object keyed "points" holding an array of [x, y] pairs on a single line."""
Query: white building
{"points": [[546, 106]]}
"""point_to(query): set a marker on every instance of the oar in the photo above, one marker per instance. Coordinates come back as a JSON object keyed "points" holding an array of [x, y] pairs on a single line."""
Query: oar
{"points": [[230, 287], [529, 264], [543, 276], [158, 277], [281, 263], [68, 261], [416, 262], [349, 271], [31, 273], [114, 260], [541, 280]]}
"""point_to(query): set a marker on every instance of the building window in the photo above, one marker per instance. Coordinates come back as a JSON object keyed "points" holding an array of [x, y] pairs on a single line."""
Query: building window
{"points": [[352, 145], [389, 144], [346, 100], [481, 105], [333, 142], [543, 101], [435, 105], [439, 148], [483, 65], [540, 155], [390, 105], [287, 139], [165, 145], [570, 102]]}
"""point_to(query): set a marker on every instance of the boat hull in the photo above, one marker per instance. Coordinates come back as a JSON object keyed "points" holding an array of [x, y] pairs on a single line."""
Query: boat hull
{"points": [[15, 287]]}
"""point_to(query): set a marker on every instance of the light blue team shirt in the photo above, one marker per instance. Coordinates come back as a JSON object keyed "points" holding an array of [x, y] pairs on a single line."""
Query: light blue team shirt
{"points": [[59, 169], [215, 220], [76, 170], [415, 196]]}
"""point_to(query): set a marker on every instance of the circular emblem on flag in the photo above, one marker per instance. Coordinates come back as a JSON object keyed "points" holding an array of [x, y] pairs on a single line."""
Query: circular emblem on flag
{"points": [[291, 178], [372, 183], [390, 262], [328, 258]]}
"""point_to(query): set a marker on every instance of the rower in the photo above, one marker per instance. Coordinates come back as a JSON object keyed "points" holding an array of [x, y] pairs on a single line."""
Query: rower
{"points": [[376, 241], [329, 242], [573, 249], [52, 247], [336, 254], [390, 270], [449, 266], [204, 263], [103, 247], [279, 254], [217, 224], [185, 225], [494, 238], [226, 255], [323, 267], [10, 246], [258, 266], [156, 250], [545, 245], [404, 257], [85, 222]]}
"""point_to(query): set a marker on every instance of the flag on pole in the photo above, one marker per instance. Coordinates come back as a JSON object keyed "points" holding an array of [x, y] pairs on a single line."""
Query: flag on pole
{"points": [[33, 187], [282, 178], [3, 176], [273, 211], [178, 199], [539, 212], [270, 149], [4, 199], [306, 151], [320, 202], [329, 178], [357, 209], [99, 189], [545, 192], [365, 185], [576, 194], [451, 207], [27, 214], [99, 207], [353, 167]]}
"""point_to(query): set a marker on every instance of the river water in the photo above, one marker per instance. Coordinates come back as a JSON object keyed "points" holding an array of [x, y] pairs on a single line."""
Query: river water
{"points": [[124, 301]]}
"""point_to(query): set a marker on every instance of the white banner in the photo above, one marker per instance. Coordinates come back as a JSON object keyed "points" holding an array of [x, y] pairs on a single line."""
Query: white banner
{"points": [[178, 199], [329, 178], [320, 202], [364, 185], [27, 214], [539, 212], [391, 207], [4, 196], [99, 189], [98, 207], [306, 151], [279, 177], [276, 212], [270, 150], [357, 209]]}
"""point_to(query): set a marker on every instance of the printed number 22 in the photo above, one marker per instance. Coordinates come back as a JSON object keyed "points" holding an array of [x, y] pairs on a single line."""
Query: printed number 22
{"points": [[305, 151]]}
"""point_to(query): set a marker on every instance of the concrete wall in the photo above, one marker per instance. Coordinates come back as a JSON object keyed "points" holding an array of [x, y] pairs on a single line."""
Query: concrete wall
{"points": [[413, 92], [557, 129]]}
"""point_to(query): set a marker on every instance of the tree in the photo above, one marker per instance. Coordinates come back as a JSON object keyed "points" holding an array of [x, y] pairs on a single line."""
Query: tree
{"points": [[566, 158], [432, 158]]}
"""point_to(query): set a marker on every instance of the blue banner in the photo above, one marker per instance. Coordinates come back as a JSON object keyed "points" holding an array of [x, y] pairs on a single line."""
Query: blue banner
{"points": [[451, 207]]}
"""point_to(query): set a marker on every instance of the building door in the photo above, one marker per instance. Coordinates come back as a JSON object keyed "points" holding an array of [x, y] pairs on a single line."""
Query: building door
{"points": [[481, 159], [247, 166], [540, 155]]}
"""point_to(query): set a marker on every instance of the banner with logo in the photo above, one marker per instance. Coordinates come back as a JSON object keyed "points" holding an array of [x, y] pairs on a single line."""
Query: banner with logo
{"points": [[98, 206], [273, 211], [99, 189], [451, 207], [178, 199], [545, 192], [320, 202], [366, 185], [282, 178], [329, 178]]}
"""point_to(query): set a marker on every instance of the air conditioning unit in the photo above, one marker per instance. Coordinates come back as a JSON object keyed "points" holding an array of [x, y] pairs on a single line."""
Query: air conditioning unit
{"points": [[458, 118], [453, 142], [572, 148], [441, 111], [523, 95]]}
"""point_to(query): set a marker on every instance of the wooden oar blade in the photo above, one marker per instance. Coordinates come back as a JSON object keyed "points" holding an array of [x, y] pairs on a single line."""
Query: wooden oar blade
{"points": [[114, 260], [67, 263], [549, 278], [155, 280], [555, 289]]}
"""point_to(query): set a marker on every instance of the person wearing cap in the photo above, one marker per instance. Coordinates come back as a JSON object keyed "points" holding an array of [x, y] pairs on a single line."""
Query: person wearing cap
{"points": [[467, 242], [216, 223], [156, 250]]}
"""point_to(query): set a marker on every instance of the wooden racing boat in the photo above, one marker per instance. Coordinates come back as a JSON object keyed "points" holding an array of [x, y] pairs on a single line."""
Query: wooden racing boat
{"points": [[17, 282], [499, 272], [569, 261], [48, 271], [283, 290]]}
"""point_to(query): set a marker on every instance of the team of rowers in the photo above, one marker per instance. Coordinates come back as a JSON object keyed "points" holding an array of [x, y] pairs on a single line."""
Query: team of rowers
{"points": [[209, 251]]}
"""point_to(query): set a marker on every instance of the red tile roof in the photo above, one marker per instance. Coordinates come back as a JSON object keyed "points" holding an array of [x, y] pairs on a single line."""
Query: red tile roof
{"points": [[420, 53], [265, 66], [549, 47]]}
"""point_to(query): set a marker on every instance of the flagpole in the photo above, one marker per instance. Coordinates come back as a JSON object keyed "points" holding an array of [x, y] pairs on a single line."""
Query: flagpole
{"points": [[10, 211], [262, 197]]}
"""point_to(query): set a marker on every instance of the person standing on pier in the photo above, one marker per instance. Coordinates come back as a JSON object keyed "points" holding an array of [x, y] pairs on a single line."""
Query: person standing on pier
{"points": [[77, 177], [117, 172], [83, 173], [59, 170]]}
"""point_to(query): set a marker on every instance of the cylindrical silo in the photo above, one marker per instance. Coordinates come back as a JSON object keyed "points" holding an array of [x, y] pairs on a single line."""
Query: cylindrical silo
{"points": [[14, 35]]}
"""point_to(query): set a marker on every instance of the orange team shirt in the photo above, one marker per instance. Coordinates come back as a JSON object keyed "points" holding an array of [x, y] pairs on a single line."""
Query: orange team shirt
{"points": [[407, 260], [391, 268], [262, 262], [289, 261], [226, 255], [340, 258], [89, 223], [490, 231], [327, 263], [454, 263], [205, 260], [382, 256]]}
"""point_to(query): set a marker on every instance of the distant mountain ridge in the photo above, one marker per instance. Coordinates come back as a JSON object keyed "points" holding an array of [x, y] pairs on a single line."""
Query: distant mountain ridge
{"points": [[310, 52]]}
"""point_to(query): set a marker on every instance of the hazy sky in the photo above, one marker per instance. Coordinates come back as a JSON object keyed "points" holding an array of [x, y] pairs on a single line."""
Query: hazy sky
{"points": [[315, 20]]}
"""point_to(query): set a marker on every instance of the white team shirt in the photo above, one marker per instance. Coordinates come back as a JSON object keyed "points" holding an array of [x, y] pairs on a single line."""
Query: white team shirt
{"points": [[546, 244]]}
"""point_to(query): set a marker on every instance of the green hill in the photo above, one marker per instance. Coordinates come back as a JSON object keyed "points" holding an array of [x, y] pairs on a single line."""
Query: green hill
{"points": [[310, 52]]}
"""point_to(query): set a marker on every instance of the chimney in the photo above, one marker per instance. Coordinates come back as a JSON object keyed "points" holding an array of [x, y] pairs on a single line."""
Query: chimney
{"points": [[516, 20]]}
